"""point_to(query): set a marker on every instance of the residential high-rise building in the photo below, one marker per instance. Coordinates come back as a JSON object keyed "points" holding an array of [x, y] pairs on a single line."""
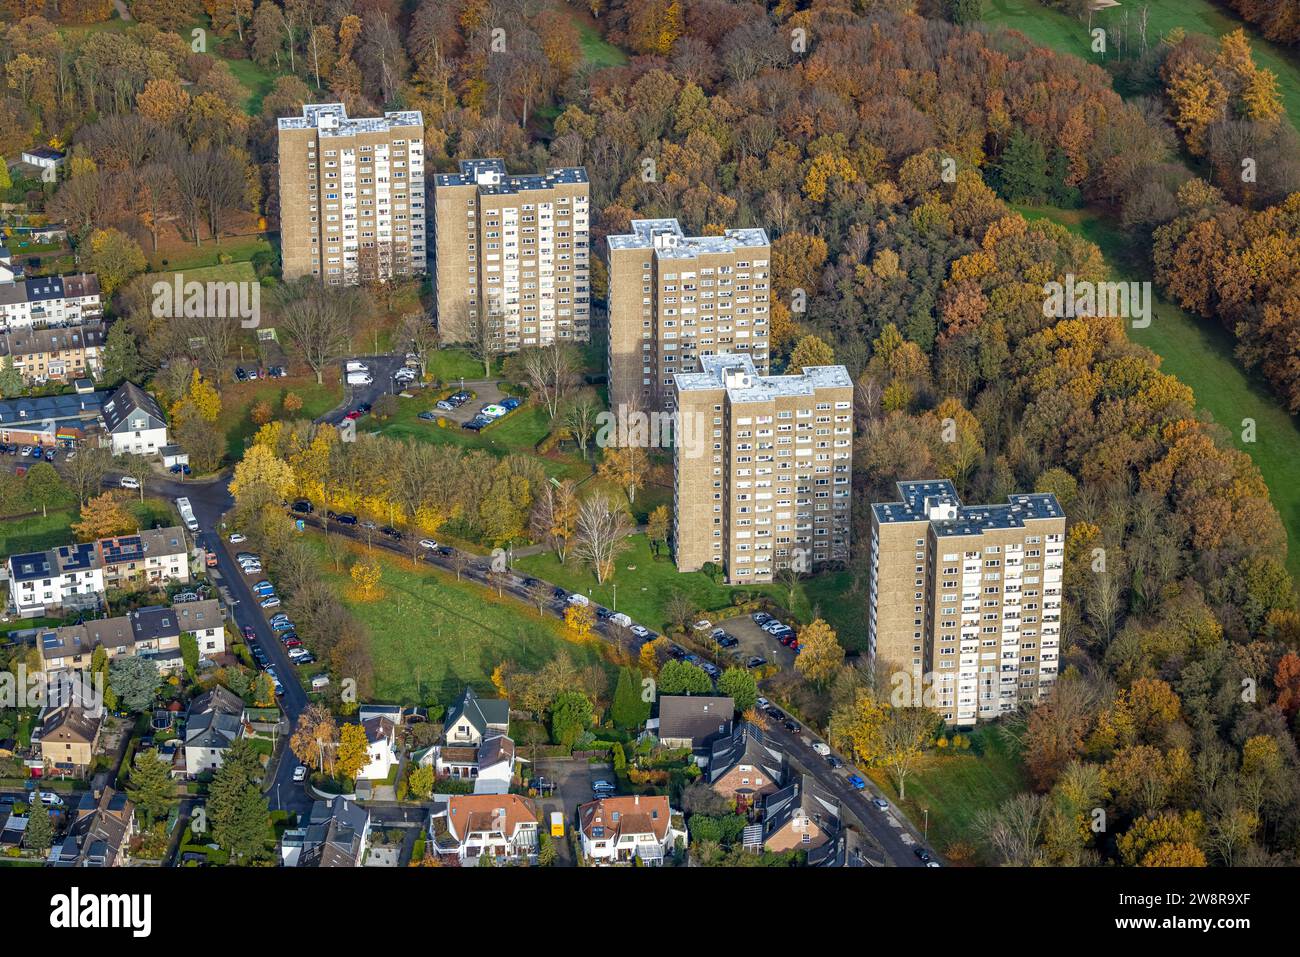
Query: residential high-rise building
{"points": [[674, 299], [513, 252], [762, 467], [352, 195], [966, 599]]}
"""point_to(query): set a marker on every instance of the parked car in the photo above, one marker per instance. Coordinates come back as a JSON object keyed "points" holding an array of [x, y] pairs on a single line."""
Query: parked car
{"points": [[428, 543], [641, 631], [303, 507], [821, 748], [299, 774], [603, 787], [793, 726], [760, 617], [922, 855], [347, 518], [856, 781], [50, 799], [756, 662], [390, 532], [729, 641], [428, 416], [237, 539], [703, 624], [270, 601], [880, 803], [128, 481], [510, 404], [249, 633], [180, 469], [833, 761]]}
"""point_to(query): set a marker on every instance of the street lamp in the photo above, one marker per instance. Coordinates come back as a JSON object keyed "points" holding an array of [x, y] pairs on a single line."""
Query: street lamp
{"points": [[926, 812]]}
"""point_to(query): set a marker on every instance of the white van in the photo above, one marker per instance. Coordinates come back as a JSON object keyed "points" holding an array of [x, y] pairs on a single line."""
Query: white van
{"points": [[359, 378], [619, 618], [355, 366], [576, 599]]}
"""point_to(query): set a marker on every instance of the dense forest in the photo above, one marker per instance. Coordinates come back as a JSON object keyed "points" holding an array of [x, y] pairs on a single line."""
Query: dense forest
{"points": [[882, 151]]}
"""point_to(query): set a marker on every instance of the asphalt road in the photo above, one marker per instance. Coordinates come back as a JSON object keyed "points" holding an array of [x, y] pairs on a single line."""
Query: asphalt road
{"points": [[381, 370]]}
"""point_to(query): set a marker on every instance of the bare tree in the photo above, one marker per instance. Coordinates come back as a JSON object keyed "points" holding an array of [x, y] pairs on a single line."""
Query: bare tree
{"points": [[319, 322], [138, 467], [484, 340], [555, 512], [540, 593], [419, 335], [580, 418], [551, 372], [602, 531], [86, 470]]}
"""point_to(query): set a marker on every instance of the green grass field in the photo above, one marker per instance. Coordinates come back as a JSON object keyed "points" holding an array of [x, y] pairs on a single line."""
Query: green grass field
{"points": [[596, 51], [40, 532], [1061, 32], [238, 399], [191, 259], [449, 365], [642, 587], [431, 635], [1200, 353], [520, 432], [956, 786]]}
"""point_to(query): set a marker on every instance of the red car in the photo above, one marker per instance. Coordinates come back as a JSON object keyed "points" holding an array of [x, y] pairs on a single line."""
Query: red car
{"points": [[353, 415], [293, 643]]}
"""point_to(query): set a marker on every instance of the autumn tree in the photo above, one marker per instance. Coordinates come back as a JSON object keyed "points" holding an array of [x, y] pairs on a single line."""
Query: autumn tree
{"points": [[104, 516], [820, 653]]}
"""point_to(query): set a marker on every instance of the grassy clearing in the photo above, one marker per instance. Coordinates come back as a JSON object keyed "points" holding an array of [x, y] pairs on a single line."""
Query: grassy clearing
{"points": [[519, 432], [1200, 353], [1061, 32], [450, 365], [596, 51], [955, 786], [177, 257], [238, 399], [40, 532], [642, 587], [431, 635]]}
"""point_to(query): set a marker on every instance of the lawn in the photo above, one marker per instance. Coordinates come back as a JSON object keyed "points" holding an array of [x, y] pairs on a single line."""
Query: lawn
{"points": [[37, 533], [520, 431], [956, 786], [1061, 32], [238, 399], [188, 258], [225, 272], [597, 52], [450, 365], [1200, 353], [431, 635], [642, 587]]}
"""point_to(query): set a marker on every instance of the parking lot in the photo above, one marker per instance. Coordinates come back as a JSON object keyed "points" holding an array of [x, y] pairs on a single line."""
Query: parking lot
{"points": [[485, 393], [754, 642]]}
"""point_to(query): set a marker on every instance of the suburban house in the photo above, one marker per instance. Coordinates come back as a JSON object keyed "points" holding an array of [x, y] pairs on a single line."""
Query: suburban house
{"points": [[100, 832], [496, 765], [472, 718], [50, 301], [381, 748], [153, 632], [215, 722], [337, 835], [67, 739], [746, 767], [64, 579], [694, 721], [615, 830], [134, 421], [61, 353], [151, 557], [467, 826], [801, 816]]}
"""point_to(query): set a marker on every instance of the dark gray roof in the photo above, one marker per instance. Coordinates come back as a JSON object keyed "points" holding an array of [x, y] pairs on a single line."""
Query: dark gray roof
{"points": [[701, 718], [747, 745], [481, 712], [56, 408], [30, 566], [802, 792], [127, 399], [918, 498], [27, 342], [155, 622]]}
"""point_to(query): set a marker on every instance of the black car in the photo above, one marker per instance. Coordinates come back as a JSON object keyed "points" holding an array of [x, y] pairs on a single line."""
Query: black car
{"points": [[729, 642], [793, 727], [603, 613], [756, 662], [775, 713], [240, 374], [922, 854], [558, 592], [833, 761], [391, 532], [347, 518], [677, 652], [303, 507], [364, 408], [445, 551], [531, 582]]}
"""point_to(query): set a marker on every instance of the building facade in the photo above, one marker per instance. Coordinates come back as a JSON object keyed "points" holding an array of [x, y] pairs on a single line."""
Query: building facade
{"points": [[964, 603], [61, 353], [674, 299], [762, 468], [513, 252], [46, 301], [352, 198]]}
